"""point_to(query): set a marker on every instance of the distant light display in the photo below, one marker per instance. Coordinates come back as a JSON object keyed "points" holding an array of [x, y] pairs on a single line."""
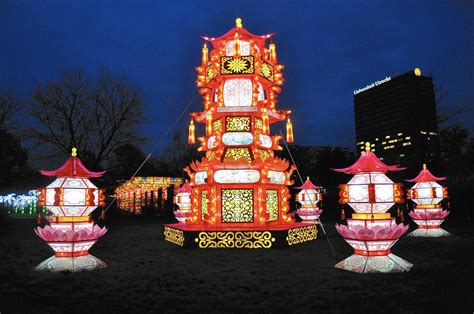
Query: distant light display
{"points": [[428, 213], [22, 204], [139, 192], [71, 233], [371, 231]]}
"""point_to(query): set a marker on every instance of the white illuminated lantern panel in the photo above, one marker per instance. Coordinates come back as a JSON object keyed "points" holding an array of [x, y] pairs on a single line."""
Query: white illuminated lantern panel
{"points": [[244, 47], [261, 92], [237, 138], [238, 92], [237, 176], [276, 177], [425, 193], [211, 142], [266, 141], [200, 177]]}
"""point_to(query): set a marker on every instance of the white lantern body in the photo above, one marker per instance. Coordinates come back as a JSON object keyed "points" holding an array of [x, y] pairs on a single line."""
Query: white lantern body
{"points": [[74, 197], [427, 193], [359, 193]]}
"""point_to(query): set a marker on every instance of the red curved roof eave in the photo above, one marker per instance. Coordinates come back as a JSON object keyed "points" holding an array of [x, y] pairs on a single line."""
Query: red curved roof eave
{"points": [[426, 176]]}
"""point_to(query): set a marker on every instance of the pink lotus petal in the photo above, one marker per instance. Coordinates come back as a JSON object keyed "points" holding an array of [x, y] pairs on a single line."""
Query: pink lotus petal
{"points": [[366, 234]]}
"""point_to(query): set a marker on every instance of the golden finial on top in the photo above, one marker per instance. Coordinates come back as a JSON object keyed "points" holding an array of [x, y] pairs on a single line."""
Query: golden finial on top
{"points": [[74, 152], [367, 146], [307, 178], [424, 166], [238, 22]]}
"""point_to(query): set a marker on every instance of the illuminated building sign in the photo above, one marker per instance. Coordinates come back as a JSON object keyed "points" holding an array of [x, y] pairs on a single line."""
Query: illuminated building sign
{"points": [[376, 83]]}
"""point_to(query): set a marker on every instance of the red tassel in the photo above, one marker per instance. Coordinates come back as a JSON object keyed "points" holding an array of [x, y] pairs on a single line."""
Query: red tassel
{"points": [[398, 212], [102, 215], [56, 219], [402, 217], [38, 219], [343, 215], [449, 205], [90, 218]]}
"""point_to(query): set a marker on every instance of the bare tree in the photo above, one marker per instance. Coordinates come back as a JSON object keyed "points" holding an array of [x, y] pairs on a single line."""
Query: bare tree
{"points": [[10, 108], [93, 117]]}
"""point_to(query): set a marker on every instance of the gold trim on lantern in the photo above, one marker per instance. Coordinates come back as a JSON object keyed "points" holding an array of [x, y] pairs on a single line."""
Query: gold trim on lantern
{"points": [[376, 216]]}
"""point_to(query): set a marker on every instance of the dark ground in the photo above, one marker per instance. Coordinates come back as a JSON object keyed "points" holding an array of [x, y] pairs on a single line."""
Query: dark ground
{"points": [[146, 274]]}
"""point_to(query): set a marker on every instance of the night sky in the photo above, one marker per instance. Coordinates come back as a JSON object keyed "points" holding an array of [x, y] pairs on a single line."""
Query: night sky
{"points": [[329, 49]]}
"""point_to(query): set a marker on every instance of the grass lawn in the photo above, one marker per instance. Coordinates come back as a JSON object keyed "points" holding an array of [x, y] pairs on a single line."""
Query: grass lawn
{"points": [[147, 274]]}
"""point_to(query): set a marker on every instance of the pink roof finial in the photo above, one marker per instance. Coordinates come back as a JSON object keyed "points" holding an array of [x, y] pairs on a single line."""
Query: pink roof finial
{"points": [[426, 176], [369, 162]]}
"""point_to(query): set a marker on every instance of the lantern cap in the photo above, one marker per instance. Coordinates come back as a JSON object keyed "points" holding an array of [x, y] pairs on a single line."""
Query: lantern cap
{"points": [[186, 188], [426, 176], [307, 185], [242, 33], [369, 162], [73, 167]]}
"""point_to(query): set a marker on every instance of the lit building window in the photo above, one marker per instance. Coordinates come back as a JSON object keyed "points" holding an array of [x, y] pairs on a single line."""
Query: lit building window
{"points": [[423, 132], [408, 137], [406, 143], [388, 136], [400, 134]]}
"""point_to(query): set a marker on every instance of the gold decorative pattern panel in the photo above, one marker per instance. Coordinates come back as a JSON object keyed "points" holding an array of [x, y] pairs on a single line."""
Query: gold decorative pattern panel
{"points": [[237, 153], [204, 202], [235, 239], [258, 123], [272, 204], [210, 74], [266, 71], [237, 205], [300, 235], [237, 124], [263, 154], [233, 65], [173, 235], [217, 125]]}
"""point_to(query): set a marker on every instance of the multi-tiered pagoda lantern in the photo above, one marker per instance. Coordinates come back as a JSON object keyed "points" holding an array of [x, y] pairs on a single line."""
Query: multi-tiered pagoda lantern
{"points": [[239, 189], [309, 197], [371, 231], [71, 232], [428, 213]]}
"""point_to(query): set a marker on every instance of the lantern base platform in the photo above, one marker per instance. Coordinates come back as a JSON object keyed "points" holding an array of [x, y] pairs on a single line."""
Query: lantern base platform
{"points": [[430, 233], [71, 264], [375, 264], [205, 237]]}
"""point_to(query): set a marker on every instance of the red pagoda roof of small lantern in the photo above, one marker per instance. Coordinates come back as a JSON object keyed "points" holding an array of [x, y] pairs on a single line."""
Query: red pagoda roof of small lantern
{"points": [[308, 185], [73, 167], [369, 162], [243, 34], [426, 176], [186, 188]]}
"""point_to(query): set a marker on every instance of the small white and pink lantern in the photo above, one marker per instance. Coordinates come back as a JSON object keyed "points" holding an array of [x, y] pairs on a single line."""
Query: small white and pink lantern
{"points": [[183, 200], [371, 231], [428, 213], [309, 197], [71, 233]]}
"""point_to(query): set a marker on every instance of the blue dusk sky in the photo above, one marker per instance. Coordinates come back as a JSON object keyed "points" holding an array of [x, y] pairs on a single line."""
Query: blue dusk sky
{"points": [[329, 49]]}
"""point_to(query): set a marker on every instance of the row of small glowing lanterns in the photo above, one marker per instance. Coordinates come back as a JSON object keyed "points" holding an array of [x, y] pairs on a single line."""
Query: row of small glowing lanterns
{"points": [[371, 231]]}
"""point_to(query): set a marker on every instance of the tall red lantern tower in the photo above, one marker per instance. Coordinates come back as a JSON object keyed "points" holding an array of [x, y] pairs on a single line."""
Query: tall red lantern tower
{"points": [[239, 193]]}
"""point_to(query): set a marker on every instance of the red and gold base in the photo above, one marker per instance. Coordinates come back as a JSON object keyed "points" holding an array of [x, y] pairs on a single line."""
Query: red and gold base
{"points": [[204, 237]]}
